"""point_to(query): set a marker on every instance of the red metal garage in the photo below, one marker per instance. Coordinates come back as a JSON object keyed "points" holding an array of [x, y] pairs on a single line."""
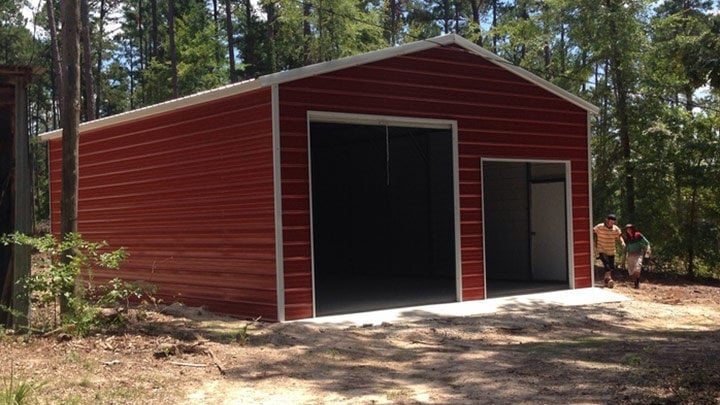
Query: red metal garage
{"points": [[349, 185]]}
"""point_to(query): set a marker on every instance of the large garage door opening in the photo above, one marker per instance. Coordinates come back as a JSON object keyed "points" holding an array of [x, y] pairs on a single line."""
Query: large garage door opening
{"points": [[382, 216], [526, 227]]}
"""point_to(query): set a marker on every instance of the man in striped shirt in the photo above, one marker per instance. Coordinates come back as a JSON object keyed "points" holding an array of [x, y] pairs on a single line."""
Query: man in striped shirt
{"points": [[607, 234]]}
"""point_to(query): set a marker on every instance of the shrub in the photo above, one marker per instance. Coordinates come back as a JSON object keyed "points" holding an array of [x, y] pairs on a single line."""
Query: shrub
{"points": [[65, 273]]}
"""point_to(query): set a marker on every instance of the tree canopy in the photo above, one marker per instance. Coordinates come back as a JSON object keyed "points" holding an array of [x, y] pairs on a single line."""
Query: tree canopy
{"points": [[651, 67]]}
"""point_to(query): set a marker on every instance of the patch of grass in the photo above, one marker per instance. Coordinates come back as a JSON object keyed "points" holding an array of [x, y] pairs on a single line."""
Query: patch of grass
{"points": [[125, 394], [243, 336], [650, 349], [333, 353], [14, 392], [590, 342], [398, 395], [85, 382], [693, 384], [566, 346], [632, 359], [85, 363], [115, 394], [228, 332], [224, 337], [74, 400]]}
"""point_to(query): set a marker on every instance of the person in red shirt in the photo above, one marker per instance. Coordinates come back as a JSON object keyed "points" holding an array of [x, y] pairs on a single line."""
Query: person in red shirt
{"points": [[637, 247]]}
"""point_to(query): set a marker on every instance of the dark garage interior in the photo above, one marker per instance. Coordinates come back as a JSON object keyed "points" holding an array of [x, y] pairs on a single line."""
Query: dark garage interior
{"points": [[525, 208], [382, 215]]}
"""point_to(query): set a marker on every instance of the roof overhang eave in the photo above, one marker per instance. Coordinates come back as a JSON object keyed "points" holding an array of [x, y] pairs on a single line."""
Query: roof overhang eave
{"points": [[326, 67], [161, 108], [505, 64]]}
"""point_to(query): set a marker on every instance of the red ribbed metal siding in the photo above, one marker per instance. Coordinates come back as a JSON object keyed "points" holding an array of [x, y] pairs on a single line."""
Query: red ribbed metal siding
{"points": [[190, 195], [499, 115]]}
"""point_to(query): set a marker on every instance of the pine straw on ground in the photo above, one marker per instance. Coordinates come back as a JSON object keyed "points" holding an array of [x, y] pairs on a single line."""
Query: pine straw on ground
{"points": [[660, 347]]}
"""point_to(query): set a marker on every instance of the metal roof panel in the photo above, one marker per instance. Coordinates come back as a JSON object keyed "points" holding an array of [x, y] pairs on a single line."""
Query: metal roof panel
{"points": [[326, 67]]}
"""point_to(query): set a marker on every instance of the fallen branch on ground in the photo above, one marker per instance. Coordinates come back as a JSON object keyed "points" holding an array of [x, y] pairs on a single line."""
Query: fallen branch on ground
{"points": [[167, 350], [177, 363]]}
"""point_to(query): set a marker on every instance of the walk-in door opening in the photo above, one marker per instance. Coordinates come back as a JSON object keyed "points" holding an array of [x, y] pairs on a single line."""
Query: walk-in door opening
{"points": [[382, 216], [526, 227]]}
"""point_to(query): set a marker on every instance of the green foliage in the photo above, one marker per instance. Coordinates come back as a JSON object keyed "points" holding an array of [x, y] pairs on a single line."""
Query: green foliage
{"points": [[17, 45], [118, 292], [243, 334], [651, 67], [66, 272], [17, 392], [197, 46]]}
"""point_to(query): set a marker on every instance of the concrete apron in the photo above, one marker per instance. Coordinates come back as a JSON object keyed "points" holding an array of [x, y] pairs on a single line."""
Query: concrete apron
{"points": [[582, 296]]}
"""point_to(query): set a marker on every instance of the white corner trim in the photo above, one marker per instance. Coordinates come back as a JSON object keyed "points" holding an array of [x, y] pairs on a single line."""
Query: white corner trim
{"points": [[277, 182]]}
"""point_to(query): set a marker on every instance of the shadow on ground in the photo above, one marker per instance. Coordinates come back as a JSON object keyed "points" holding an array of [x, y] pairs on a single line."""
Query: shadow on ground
{"points": [[525, 353]]}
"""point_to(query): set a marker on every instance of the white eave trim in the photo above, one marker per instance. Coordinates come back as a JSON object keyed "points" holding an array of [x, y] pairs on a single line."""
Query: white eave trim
{"points": [[450, 39], [167, 106], [503, 63], [326, 67]]}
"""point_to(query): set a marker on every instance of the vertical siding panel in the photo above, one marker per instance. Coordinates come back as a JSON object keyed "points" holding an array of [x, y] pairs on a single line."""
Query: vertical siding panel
{"points": [[189, 194], [499, 115]]}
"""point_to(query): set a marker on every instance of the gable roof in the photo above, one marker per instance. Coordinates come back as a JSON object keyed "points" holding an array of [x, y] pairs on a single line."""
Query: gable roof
{"points": [[326, 67]]}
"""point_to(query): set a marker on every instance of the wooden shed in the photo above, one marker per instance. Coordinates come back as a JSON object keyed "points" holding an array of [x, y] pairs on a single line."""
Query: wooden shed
{"points": [[15, 189], [426, 173]]}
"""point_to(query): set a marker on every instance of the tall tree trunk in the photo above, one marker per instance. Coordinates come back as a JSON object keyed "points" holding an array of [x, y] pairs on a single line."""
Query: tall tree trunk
{"points": [[271, 17], [446, 16], [230, 40], [563, 50], [154, 29], [623, 118], [98, 71], [692, 224], [58, 82], [494, 24], [523, 14], [249, 47], [173, 53], [142, 44], [475, 6], [692, 230], [131, 73], [87, 62], [140, 86], [216, 24], [70, 121], [307, 33], [620, 84], [394, 14]]}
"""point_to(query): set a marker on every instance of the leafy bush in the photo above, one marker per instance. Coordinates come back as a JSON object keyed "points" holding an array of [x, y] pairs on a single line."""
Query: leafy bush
{"points": [[65, 274]]}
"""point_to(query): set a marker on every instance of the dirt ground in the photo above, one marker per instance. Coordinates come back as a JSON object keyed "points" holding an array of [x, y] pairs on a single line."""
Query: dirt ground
{"points": [[661, 347]]}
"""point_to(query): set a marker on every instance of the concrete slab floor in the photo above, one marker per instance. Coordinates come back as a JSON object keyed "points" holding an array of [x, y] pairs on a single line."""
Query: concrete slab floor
{"points": [[581, 296]]}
